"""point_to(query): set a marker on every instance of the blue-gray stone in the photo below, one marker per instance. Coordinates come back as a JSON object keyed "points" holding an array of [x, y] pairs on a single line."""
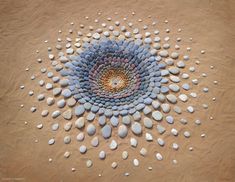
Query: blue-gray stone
{"points": [[164, 89], [122, 131], [95, 109], [87, 106], [108, 112], [102, 120], [91, 129], [79, 110], [186, 86], [132, 111], [147, 110], [136, 128], [148, 101], [106, 131], [114, 121], [170, 119], [90, 116], [157, 115], [116, 113], [140, 106], [66, 93], [124, 112], [126, 120], [137, 116], [61, 103], [101, 111]]}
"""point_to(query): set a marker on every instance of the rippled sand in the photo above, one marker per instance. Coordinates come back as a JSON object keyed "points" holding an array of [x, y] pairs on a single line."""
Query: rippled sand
{"points": [[23, 27]]}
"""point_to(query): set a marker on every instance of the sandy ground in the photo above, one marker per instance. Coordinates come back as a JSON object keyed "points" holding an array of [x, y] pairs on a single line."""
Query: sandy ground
{"points": [[23, 27]]}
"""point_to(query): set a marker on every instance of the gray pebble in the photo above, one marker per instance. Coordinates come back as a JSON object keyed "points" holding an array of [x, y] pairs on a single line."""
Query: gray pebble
{"points": [[95, 141], [91, 129], [55, 114], [122, 131], [157, 115], [160, 129], [148, 123], [136, 128], [80, 123], [67, 139]]}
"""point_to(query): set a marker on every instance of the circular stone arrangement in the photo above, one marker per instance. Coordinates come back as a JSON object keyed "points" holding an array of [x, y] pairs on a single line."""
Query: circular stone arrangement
{"points": [[116, 78], [116, 75]]}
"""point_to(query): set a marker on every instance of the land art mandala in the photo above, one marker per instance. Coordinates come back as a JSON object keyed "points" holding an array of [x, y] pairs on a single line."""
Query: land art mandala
{"points": [[118, 78]]}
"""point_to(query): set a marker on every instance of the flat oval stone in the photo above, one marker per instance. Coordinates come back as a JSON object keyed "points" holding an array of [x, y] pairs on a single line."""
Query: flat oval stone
{"points": [[171, 98], [148, 137], [113, 145], [186, 86], [50, 101], [114, 121], [160, 129], [160, 141], [137, 116], [106, 131], [67, 114], [67, 139], [157, 115], [82, 149], [79, 110], [91, 129], [173, 87], [66, 93], [64, 82], [174, 70], [55, 126], [57, 91], [155, 104], [170, 119], [89, 163], [174, 131], [174, 79], [133, 142], [44, 113], [90, 116], [80, 123], [126, 120], [102, 120], [136, 162], [159, 156], [147, 110], [95, 141], [187, 134], [71, 102], [122, 131], [80, 137], [55, 114], [68, 126], [124, 155], [164, 53], [143, 151], [174, 55], [136, 128], [190, 109], [51, 141], [102, 155], [148, 123], [61, 103], [165, 107], [183, 97]]}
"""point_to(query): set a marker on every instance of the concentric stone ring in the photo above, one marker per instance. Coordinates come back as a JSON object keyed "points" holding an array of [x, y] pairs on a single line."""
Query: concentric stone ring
{"points": [[114, 75]]}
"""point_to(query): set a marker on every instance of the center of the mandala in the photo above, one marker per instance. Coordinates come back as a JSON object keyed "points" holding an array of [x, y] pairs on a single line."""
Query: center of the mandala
{"points": [[114, 80]]}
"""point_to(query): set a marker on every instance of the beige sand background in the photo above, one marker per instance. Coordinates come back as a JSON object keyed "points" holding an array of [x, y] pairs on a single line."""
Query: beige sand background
{"points": [[24, 25]]}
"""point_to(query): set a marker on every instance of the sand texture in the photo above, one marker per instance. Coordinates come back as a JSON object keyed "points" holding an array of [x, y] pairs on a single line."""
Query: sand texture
{"points": [[25, 24]]}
